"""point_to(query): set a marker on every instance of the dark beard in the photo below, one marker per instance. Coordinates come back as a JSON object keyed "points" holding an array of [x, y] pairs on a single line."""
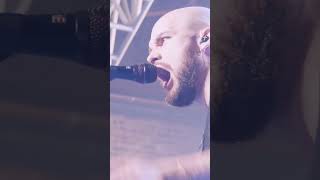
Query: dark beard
{"points": [[184, 91]]}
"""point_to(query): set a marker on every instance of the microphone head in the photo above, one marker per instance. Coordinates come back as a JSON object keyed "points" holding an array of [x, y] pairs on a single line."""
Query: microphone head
{"points": [[99, 26], [93, 32], [145, 73]]}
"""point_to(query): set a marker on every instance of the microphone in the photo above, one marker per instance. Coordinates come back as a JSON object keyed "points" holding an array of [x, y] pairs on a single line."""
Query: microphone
{"points": [[143, 73], [81, 36]]}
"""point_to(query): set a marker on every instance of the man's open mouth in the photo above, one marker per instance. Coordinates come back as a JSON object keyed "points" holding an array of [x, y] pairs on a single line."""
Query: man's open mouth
{"points": [[163, 75]]}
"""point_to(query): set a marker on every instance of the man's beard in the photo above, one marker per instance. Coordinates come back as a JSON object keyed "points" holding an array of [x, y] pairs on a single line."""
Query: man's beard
{"points": [[184, 89]]}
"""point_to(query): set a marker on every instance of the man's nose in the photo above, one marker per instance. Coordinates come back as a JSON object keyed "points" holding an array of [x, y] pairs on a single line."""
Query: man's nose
{"points": [[152, 58]]}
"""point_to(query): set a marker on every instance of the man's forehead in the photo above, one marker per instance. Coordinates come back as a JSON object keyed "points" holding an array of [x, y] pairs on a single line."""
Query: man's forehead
{"points": [[181, 19], [161, 26]]}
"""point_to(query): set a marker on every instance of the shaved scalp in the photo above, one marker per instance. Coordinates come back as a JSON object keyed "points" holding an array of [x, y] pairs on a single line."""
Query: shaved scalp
{"points": [[188, 18], [197, 14]]}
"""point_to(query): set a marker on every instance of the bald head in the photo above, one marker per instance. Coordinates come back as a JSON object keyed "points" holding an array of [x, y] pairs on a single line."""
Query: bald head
{"points": [[189, 20]]}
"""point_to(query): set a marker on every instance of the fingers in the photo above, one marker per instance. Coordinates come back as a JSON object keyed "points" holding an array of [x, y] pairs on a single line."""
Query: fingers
{"points": [[124, 169]]}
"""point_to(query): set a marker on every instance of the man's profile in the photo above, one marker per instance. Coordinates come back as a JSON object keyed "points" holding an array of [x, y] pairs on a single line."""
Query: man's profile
{"points": [[179, 47]]}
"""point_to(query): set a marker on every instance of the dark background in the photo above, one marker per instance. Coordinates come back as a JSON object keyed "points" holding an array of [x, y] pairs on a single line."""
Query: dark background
{"points": [[285, 150], [53, 114]]}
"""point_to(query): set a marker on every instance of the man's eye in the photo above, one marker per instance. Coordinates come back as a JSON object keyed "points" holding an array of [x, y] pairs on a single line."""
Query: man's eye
{"points": [[166, 37], [163, 39]]}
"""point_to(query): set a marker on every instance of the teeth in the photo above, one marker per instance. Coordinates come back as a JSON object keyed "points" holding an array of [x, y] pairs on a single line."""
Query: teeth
{"points": [[163, 83]]}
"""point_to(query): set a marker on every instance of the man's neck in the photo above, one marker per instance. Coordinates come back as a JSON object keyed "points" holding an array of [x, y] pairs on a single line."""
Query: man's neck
{"points": [[206, 89], [204, 96]]}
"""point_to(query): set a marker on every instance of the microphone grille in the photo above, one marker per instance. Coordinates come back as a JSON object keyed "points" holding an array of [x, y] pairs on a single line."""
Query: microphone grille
{"points": [[99, 23], [145, 73], [101, 9], [98, 32]]}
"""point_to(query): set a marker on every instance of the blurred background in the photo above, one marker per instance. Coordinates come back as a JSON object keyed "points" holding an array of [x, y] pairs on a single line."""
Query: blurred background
{"points": [[287, 148], [53, 122]]}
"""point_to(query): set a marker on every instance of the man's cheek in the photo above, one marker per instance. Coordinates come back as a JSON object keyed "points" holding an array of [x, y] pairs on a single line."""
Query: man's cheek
{"points": [[169, 54]]}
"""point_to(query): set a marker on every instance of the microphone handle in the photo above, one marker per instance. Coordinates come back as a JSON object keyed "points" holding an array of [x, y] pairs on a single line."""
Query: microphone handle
{"points": [[122, 72]]}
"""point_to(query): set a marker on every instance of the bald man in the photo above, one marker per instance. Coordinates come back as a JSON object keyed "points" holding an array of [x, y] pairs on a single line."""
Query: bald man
{"points": [[180, 47]]}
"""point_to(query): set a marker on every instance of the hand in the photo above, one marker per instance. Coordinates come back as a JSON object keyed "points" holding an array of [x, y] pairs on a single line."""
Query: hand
{"points": [[191, 166], [134, 169]]}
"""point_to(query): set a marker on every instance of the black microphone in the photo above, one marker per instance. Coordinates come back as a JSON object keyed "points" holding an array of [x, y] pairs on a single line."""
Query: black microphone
{"points": [[81, 36], [143, 73]]}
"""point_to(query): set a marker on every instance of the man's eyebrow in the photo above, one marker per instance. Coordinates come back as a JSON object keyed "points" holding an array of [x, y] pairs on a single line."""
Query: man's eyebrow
{"points": [[165, 33], [160, 35]]}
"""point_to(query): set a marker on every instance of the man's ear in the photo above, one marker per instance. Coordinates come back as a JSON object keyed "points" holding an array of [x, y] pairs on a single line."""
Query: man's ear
{"points": [[204, 41]]}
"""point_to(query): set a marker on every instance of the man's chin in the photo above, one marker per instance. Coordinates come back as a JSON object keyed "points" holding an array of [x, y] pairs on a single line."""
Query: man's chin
{"points": [[179, 100], [177, 103]]}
